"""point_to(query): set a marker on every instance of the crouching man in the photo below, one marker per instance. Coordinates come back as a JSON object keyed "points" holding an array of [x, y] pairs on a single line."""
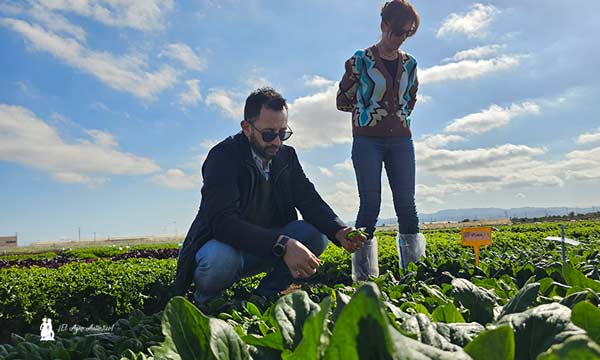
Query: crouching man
{"points": [[247, 222]]}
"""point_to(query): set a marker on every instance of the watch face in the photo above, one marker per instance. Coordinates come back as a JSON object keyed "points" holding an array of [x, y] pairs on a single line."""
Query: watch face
{"points": [[278, 249]]}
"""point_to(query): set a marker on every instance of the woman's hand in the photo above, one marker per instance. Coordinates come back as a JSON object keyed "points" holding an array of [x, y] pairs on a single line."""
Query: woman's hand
{"points": [[351, 239]]}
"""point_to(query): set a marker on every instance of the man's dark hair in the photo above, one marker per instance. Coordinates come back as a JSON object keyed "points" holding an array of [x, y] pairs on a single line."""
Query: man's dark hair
{"points": [[267, 97]]}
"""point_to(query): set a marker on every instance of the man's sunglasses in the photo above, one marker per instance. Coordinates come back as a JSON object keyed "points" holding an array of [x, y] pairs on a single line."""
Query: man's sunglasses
{"points": [[270, 135]]}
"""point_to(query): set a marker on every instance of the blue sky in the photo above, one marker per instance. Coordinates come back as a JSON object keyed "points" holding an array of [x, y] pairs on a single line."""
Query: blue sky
{"points": [[108, 107]]}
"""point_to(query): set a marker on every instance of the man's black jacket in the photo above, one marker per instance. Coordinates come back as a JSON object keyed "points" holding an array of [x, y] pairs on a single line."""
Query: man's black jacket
{"points": [[229, 175]]}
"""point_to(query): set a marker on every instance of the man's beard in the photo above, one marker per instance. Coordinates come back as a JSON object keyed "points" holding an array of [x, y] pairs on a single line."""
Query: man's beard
{"points": [[263, 151]]}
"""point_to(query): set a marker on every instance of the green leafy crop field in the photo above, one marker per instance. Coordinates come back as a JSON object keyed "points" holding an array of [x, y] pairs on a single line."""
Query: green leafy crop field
{"points": [[522, 302]]}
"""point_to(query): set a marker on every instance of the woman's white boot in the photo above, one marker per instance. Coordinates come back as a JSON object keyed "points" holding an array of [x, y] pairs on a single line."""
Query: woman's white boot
{"points": [[410, 248]]}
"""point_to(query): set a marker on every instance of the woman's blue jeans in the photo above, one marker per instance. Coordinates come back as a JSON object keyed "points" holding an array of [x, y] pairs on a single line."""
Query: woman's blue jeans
{"points": [[219, 265], [397, 153]]}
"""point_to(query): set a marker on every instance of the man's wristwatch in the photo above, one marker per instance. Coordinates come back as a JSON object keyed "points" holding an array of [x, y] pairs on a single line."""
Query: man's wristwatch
{"points": [[279, 247]]}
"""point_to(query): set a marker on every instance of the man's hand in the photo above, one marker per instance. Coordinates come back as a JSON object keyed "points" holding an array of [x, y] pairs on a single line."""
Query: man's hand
{"points": [[351, 241], [300, 260]]}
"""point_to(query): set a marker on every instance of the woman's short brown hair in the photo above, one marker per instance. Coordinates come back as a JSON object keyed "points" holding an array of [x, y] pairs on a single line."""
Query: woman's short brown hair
{"points": [[397, 14]]}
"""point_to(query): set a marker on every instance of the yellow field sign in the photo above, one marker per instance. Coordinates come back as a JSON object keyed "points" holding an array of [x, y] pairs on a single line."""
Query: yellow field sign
{"points": [[476, 237]]}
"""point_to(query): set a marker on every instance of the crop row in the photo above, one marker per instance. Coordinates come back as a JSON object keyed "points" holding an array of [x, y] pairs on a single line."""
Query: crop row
{"points": [[519, 265], [81, 293], [468, 322]]}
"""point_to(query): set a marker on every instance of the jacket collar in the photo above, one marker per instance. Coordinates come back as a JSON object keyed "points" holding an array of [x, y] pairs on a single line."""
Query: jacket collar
{"points": [[277, 164], [384, 71]]}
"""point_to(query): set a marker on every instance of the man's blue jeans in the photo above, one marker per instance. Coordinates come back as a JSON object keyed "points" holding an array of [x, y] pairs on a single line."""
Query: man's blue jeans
{"points": [[398, 155], [219, 265]]}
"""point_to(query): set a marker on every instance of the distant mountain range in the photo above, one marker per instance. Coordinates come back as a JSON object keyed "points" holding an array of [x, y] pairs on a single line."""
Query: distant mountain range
{"points": [[495, 213]]}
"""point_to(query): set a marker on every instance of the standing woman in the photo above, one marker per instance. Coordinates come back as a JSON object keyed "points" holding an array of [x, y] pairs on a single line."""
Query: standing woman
{"points": [[379, 87]]}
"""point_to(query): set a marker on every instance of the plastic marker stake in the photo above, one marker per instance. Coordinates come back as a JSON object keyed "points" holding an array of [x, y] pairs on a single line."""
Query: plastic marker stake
{"points": [[476, 237], [560, 239], [562, 235], [563, 240]]}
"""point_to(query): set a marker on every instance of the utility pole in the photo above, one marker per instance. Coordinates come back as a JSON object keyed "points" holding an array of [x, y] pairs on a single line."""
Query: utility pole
{"points": [[79, 233]]}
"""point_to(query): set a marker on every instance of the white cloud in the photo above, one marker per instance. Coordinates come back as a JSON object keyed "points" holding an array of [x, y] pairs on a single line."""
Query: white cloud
{"points": [[185, 55], [467, 69], [587, 138], [423, 99], [429, 200], [102, 138], [98, 105], [491, 118], [325, 171], [317, 81], [22, 86], [209, 144], [442, 160], [197, 161], [127, 73], [189, 174], [28, 89], [11, 9], [582, 164], [178, 179], [30, 141], [513, 174], [346, 165], [476, 53], [57, 23], [473, 24], [141, 15], [192, 95], [449, 173], [488, 169], [316, 121], [344, 200], [436, 193], [501, 167], [60, 119], [490, 177], [74, 178], [194, 166], [254, 80], [229, 102], [438, 140], [566, 98]]}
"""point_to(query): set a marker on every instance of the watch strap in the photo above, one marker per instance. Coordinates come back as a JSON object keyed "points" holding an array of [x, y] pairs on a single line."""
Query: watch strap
{"points": [[279, 247]]}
